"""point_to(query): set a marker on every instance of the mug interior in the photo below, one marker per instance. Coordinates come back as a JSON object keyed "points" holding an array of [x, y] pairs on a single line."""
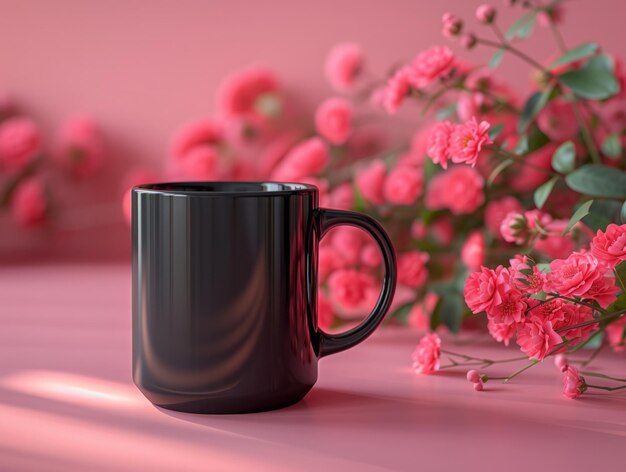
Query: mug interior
{"points": [[223, 188]]}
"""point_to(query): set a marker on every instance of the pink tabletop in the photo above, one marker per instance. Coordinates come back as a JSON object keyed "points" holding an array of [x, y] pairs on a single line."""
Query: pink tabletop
{"points": [[67, 401]]}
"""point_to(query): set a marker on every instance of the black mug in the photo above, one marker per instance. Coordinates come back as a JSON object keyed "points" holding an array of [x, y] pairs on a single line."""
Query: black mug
{"points": [[225, 293]]}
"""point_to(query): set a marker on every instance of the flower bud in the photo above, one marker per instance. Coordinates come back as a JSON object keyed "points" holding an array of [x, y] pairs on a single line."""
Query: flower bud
{"points": [[486, 14], [452, 25], [468, 41]]}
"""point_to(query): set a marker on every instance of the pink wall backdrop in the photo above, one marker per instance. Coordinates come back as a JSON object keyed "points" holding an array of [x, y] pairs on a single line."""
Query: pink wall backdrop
{"points": [[140, 68]]}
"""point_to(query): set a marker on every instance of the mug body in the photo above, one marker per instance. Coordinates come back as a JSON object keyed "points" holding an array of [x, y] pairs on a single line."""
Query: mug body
{"points": [[223, 320]]}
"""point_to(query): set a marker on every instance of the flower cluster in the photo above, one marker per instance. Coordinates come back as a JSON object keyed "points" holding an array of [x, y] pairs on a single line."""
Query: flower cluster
{"points": [[31, 167]]}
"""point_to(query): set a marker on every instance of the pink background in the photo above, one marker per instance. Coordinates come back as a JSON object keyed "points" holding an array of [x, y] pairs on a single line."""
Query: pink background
{"points": [[143, 67]]}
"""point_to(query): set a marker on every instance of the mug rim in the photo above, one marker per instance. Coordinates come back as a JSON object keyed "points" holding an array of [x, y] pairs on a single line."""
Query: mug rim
{"points": [[199, 188]]}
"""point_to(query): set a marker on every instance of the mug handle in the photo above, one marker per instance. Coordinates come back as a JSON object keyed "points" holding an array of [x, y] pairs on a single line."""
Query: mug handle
{"points": [[327, 219]]}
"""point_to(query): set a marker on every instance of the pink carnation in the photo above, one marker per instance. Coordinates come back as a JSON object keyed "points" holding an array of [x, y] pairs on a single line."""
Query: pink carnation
{"points": [[200, 163], [307, 158], [396, 90], [486, 13], [438, 148], [511, 310], [28, 204], [370, 255], [451, 24], [514, 228], [443, 230], [573, 384], [609, 246], [501, 332], [412, 270], [370, 182], [350, 288], [333, 120], [342, 197], [347, 241], [467, 141], [239, 93], [573, 276], [431, 64], [473, 251], [555, 245], [343, 64], [537, 338], [574, 315], [484, 289], [426, 355], [521, 279], [197, 133], [496, 211], [459, 189], [403, 185], [603, 290], [79, 147], [528, 176], [328, 260], [20, 142]]}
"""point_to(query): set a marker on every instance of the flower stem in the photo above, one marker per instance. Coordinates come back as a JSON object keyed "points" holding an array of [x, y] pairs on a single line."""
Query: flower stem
{"points": [[602, 376], [579, 302], [513, 50], [521, 160], [608, 389], [523, 369], [611, 317]]}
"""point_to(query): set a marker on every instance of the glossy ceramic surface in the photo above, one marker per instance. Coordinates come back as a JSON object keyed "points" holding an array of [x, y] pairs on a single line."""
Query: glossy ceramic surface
{"points": [[224, 284]]}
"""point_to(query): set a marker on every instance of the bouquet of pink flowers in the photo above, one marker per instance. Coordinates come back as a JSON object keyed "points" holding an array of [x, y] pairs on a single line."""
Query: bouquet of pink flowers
{"points": [[30, 168], [529, 192]]}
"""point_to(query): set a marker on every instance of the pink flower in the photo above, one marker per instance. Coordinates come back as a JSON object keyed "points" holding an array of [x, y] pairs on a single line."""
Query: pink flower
{"points": [[343, 65], [200, 163], [240, 94], [496, 211], [561, 362], [396, 90], [419, 316], [20, 142], [197, 133], [370, 182], [333, 120], [412, 268], [328, 260], [324, 312], [511, 310], [342, 197], [370, 255], [558, 121], [79, 148], [573, 276], [537, 338], [459, 189], [521, 279], [467, 141], [468, 105], [484, 289], [347, 241], [555, 245], [573, 384], [28, 204], [452, 25], [603, 290], [403, 185], [554, 13], [443, 230], [609, 246], [468, 41], [349, 288], [430, 65], [514, 228], [473, 251], [438, 148], [615, 334], [473, 376], [501, 332], [305, 159], [574, 315], [486, 14], [426, 355]]}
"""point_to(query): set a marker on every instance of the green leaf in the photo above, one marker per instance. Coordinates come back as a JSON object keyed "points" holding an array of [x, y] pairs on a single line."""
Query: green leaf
{"points": [[449, 311], [523, 27], [494, 131], [583, 210], [602, 214], [597, 180], [622, 213], [402, 313], [498, 170], [595, 80], [532, 107], [612, 146], [620, 273], [579, 52], [564, 158], [496, 59], [359, 201], [542, 193], [446, 111], [536, 139]]}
